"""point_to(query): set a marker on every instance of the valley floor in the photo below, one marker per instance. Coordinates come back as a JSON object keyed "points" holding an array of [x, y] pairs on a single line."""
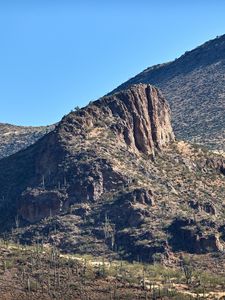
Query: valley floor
{"points": [[41, 272]]}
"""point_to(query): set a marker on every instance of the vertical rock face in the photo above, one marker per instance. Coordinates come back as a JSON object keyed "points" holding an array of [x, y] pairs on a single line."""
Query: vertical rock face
{"points": [[143, 117]]}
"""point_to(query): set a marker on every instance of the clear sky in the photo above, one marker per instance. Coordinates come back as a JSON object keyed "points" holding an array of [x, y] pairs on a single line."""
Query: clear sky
{"points": [[57, 54]]}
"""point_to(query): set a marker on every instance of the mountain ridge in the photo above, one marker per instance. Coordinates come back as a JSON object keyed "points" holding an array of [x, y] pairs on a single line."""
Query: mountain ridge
{"points": [[14, 138], [194, 87]]}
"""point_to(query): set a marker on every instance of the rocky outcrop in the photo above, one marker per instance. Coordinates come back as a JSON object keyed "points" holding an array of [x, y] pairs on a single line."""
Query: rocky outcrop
{"points": [[191, 237], [37, 204], [139, 116], [92, 179], [130, 209], [83, 182], [206, 206], [216, 163], [144, 117]]}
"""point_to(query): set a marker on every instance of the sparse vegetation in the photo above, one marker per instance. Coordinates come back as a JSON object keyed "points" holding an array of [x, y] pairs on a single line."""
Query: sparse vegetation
{"points": [[41, 272]]}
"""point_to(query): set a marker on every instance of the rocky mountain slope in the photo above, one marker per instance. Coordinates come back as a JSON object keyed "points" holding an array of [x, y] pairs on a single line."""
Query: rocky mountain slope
{"points": [[14, 138], [194, 85], [112, 180]]}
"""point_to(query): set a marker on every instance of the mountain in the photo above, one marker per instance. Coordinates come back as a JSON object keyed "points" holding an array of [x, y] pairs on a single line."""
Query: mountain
{"points": [[194, 85], [111, 180], [15, 138]]}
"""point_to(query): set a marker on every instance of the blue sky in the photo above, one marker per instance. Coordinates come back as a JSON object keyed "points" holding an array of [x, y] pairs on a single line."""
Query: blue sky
{"points": [[55, 55]]}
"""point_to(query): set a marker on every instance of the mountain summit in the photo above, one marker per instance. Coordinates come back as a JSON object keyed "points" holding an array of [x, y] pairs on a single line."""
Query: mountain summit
{"points": [[194, 85]]}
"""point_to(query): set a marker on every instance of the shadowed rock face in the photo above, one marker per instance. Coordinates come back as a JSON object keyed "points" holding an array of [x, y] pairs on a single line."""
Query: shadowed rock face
{"points": [[37, 204], [130, 208], [187, 235]]}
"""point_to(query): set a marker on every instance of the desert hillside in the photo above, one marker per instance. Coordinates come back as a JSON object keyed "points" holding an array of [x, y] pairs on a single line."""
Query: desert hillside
{"points": [[15, 138]]}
